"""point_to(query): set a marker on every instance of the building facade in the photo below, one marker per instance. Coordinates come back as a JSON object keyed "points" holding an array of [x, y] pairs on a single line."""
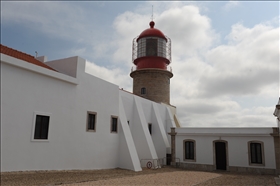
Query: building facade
{"points": [[55, 116]]}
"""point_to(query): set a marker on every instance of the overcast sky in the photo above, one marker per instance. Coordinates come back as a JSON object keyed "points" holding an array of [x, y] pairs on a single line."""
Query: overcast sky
{"points": [[225, 55]]}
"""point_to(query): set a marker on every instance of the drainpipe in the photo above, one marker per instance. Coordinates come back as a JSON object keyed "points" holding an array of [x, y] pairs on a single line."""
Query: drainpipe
{"points": [[173, 151], [276, 137]]}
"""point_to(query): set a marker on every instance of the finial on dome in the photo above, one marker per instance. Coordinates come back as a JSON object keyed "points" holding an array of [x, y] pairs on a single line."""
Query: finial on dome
{"points": [[152, 24]]}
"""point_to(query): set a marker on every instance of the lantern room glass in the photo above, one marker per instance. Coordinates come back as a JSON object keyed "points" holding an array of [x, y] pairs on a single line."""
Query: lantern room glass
{"points": [[146, 45]]}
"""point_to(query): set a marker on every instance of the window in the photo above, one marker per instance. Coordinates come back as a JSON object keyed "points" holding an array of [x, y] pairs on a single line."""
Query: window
{"points": [[150, 128], [143, 90], [256, 154], [41, 127], [91, 121], [189, 150], [162, 47], [151, 47], [141, 46], [114, 124]]}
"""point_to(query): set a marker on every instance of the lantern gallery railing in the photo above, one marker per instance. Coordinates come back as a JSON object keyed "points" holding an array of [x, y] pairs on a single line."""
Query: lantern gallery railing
{"points": [[168, 68]]}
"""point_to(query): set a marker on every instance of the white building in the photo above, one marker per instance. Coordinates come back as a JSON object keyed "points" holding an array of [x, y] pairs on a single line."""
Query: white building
{"points": [[55, 116]]}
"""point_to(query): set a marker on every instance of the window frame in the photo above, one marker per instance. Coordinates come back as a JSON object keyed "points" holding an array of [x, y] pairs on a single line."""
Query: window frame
{"points": [[111, 128], [194, 150], [35, 114], [143, 91], [95, 119], [250, 155]]}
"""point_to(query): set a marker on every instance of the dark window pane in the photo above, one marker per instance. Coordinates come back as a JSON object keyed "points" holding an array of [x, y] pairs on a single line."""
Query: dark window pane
{"points": [[41, 127], [91, 121], [189, 150], [143, 90], [151, 47], [256, 153], [38, 127], [150, 128], [114, 124]]}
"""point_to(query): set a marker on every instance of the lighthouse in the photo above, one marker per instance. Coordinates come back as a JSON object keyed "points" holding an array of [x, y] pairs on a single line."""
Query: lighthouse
{"points": [[151, 55]]}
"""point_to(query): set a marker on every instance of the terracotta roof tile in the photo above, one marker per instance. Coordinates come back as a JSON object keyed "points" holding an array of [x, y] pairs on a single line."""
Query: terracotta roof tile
{"points": [[23, 56]]}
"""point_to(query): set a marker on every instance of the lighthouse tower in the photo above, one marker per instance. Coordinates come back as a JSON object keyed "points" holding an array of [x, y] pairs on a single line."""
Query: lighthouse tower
{"points": [[151, 53]]}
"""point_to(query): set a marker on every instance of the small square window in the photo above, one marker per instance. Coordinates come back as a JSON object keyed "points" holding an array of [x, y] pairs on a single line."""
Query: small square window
{"points": [[114, 124], [41, 127], [91, 121]]}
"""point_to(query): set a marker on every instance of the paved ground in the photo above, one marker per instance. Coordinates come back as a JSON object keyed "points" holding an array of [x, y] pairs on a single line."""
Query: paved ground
{"points": [[163, 176]]}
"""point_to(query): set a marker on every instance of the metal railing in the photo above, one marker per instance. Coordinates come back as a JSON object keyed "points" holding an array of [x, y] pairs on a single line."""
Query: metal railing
{"points": [[169, 68]]}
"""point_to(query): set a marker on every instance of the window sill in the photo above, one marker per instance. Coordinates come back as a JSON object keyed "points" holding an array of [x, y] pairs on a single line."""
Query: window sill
{"points": [[91, 130], [40, 140], [189, 160], [256, 164]]}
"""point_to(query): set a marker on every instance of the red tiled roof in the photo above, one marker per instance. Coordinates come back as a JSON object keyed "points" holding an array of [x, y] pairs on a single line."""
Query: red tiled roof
{"points": [[23, 56]]}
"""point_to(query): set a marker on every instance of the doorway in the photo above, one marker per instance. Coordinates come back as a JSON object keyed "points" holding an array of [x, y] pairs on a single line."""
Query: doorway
{"points": [[168, 159], [220, 155]]}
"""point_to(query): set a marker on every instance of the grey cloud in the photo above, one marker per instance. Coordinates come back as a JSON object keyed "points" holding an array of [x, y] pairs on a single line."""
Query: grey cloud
{"points": [[237, 84]]}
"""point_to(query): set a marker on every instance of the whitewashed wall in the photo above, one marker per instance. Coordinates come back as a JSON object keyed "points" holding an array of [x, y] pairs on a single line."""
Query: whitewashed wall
{"points": [[237, 139], [27, 89], [66, 96]]}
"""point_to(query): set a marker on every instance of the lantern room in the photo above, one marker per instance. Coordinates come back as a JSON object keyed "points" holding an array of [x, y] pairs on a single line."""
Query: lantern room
{"points": [[151, 49]]}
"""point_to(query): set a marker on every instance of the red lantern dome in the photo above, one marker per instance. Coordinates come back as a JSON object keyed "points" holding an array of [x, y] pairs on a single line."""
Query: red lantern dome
{"points": [[152, 32], [152, 49]]}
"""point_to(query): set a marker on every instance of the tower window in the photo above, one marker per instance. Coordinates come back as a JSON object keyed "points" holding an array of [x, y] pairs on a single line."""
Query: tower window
{"points": [[143, 90]]}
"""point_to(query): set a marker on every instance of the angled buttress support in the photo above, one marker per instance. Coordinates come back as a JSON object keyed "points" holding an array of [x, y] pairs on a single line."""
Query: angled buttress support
{"points": [[128, 157]]}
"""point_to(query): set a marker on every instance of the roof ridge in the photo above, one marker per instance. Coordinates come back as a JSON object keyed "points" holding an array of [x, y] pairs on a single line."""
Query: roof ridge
{"points": [[15, 50], [23, 56]]}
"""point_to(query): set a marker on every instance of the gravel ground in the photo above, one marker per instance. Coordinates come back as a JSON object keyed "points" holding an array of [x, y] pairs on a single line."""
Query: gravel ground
{"points": [[163, 176]]}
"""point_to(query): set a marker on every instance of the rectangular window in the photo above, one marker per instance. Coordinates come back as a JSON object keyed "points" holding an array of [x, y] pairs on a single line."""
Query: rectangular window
{"points": [[150, 128], [41, 127], [256, 153], [114, 124], [91, 121], [143, 90], [151, 47], [189, 150]]}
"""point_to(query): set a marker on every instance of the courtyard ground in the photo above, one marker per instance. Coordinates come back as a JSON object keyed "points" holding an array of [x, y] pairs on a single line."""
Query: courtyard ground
{"points": [[163, 176]]}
